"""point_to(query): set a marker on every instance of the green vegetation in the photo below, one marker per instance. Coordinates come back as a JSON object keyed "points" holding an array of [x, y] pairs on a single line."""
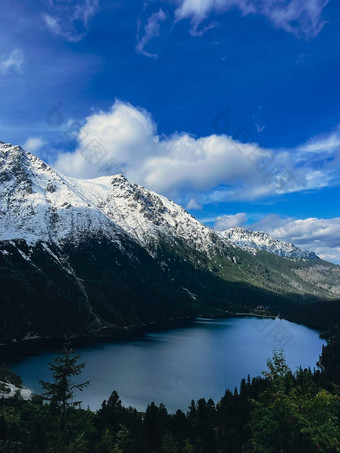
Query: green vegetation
{"points": [[109, 288], [293, 414], [279, 412], [60, 392]]}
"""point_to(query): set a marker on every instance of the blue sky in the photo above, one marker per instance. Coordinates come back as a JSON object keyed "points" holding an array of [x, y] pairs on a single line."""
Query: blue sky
{"points": [[231, 108]]}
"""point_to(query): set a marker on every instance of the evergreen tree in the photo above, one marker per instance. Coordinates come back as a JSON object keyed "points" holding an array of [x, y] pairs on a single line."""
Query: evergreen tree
{"points": [[3, 428], [60, 392], [156, 424], [292, 415], [169, 444]]}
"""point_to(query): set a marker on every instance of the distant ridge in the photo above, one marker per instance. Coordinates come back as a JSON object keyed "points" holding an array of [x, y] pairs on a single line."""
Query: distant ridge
{"points": [[259, 240]]}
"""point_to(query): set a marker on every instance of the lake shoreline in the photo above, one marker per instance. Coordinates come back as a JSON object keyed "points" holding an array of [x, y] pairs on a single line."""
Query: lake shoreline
{"points": [[30, 346], [206, 356], [15, 350]]}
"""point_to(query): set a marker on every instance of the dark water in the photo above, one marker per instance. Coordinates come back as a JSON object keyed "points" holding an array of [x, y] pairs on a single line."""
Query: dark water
{"points": [[178, 365]]}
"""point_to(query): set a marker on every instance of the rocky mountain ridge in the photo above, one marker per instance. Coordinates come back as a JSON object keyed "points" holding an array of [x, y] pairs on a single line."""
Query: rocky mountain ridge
{"points": [[83, 256], [259, 240]]}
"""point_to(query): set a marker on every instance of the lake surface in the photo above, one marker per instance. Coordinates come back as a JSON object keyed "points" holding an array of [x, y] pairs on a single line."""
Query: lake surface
{"points": [[178, 365]]}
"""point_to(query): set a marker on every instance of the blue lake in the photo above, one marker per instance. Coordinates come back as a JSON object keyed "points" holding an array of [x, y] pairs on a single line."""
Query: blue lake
{"points": [[178, 365]]}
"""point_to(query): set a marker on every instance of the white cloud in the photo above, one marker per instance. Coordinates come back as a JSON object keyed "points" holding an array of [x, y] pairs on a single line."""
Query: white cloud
{"points": [[299, 17], [85, 10], [208, 169], [192, 204], [322, 144], [34, 144], [151, 30], [198, 171], [319, 235], [53, 24], [225, 222], [12, 63], [70, 20]]}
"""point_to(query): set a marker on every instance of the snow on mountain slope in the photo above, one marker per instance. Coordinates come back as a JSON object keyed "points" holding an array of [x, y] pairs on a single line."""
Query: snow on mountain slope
{"points": [[143, 214], [39, 204], [259, 240]]}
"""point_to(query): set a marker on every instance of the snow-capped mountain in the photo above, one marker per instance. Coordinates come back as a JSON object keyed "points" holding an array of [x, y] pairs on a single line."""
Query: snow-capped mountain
{"points": [[259, 240], [84, 256], [39, 204], [144, 215]]}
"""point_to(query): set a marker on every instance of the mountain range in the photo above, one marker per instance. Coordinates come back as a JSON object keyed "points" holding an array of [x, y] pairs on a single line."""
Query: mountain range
{"points": [[90, 256]]}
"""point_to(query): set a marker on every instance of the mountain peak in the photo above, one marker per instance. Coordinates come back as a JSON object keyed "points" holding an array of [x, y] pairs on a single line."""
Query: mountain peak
{"points": [[9, 152], [260, 240], [38, 203]]}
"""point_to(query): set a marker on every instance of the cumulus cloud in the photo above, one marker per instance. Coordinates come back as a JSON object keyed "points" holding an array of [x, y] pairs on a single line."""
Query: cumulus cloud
{"points": [[225, 222], [209, 169], [70, 20], [299, 17], [12, 63], [34, 144], [198, 171], [319, 235], [150, 31]]}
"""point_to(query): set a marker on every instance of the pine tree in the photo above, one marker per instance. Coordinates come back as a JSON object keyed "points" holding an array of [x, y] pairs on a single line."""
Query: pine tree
{"points": [[60, 392], [3, 428]]}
